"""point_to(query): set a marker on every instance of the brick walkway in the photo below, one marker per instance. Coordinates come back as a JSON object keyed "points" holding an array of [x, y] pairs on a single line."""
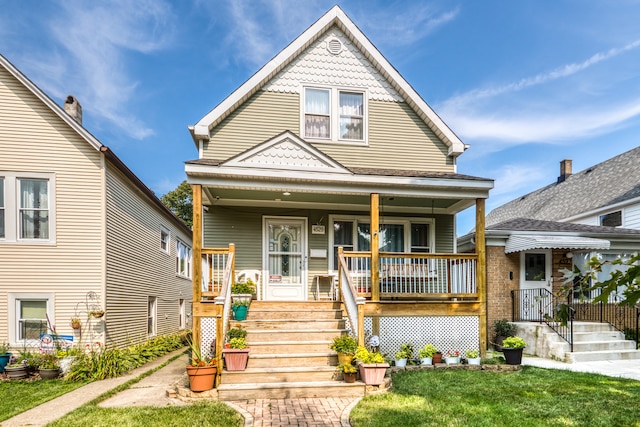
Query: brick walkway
{"points": [[295, 412]]}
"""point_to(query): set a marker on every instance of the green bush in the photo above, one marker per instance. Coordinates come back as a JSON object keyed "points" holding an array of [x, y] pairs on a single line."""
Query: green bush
{"points": [[247, 287], [513, 342], [344, 344], [504, 328]]}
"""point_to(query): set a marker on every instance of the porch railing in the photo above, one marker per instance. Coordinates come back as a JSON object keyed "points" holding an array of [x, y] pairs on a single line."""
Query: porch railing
{"points": [[416, 275], [223, 309], [350, 298], [540, 305], [214, 264]]}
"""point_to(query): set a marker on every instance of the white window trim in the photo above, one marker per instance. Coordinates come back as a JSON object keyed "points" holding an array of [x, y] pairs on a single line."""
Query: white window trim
{"points": [[622, 218], [182, 314], [13, 298], [405, 221], [189, 262], [334, 114], [12, 205], [168, 233], [152, 315]]}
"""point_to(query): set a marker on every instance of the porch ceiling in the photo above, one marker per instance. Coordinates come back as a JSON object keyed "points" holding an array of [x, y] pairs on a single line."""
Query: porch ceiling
{"points": [[330, 201]]}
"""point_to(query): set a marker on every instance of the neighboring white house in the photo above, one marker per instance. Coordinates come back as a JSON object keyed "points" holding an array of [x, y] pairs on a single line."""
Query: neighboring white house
{"points": [[80, 232]]}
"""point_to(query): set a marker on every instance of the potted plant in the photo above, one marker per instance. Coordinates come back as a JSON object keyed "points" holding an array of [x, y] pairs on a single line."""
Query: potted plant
{"points": [[345, 345], [48, 366], [97, 313], [503, 329], [76, 323], [240, 307], [4, 355], [201, 370], [426, 354], [236, 350], [512, 348], [16, 369], [349, 372], [452, 357], [243, 290], [405, 353], [437, 357], [473, 357], [372, 366]]}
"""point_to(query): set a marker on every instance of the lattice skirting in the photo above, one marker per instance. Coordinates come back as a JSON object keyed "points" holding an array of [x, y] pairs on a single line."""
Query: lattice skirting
{"points": [[207, 335], [445, 332]]}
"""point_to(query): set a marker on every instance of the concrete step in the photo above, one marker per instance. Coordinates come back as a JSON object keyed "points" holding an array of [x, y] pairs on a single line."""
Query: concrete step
{"points": [[609, 335], [592, 356], [584, 346], [287, 347], [591, 327], [282, 375], [283, 390], [327, 358], [259, 335]]}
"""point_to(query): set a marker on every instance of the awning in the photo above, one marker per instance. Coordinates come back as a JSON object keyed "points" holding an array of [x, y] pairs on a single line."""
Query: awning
{"points": [[525, 242]]}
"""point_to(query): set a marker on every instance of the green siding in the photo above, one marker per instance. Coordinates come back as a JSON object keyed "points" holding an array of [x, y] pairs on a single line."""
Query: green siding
{"points": [[395, 131]]}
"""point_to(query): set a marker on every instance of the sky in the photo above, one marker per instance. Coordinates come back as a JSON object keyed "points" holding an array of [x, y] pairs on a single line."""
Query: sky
{"points": [[524, 83]]}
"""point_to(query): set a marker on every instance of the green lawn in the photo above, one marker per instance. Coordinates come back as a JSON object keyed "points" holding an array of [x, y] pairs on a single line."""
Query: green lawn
{"points": [[18, 396], [212, 414], [531, 397]]}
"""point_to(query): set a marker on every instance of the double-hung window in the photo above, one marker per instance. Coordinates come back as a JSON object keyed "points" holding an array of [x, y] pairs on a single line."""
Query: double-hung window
{"points": [[183, 259], [334, 114], [164, 239], [27, 207], [29, 315]]}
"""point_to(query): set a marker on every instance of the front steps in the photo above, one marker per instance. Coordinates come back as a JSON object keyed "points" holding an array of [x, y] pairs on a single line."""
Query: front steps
{"points": [[290, 355], [592, 341]]}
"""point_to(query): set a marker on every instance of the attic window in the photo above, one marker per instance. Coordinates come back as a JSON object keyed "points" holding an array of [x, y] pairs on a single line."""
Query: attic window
{"points": [[334, 46], [613, 219]]}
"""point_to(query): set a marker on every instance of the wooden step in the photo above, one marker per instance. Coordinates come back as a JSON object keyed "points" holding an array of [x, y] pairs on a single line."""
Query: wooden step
{"points": [[288, 324], [259, 335], [287, 347], [294, 359], [284, 390], [282, 375], [256, 313]]}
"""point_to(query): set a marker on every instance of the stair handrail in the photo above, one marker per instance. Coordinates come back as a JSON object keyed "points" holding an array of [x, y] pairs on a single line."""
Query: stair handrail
{"points": [[224, 299], [350, 298]]}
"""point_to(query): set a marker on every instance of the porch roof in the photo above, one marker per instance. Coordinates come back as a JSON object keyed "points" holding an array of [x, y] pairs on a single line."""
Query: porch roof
{"points": [[524, 242]]}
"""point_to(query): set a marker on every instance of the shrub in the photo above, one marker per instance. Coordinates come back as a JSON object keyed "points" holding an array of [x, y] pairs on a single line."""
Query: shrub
{"points": [[504, 328], [344, 344], [427, 351], [513, 342]]}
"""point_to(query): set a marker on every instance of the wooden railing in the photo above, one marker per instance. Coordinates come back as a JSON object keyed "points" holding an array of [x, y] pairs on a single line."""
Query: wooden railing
{"points": [[352, 302], [415, 275], [214, 265]]}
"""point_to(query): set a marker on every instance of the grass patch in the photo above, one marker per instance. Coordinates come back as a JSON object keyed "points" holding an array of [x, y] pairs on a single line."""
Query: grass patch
{"points": [[531, 397], [18, 396], [198, 414]]}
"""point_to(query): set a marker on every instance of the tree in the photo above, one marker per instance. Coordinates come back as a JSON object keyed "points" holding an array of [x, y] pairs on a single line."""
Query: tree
{"points": [[180, 202]]}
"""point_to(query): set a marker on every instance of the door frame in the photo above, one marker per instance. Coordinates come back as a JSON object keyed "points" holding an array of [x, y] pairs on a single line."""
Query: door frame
{"points": [[304, 272], [539, 302]]}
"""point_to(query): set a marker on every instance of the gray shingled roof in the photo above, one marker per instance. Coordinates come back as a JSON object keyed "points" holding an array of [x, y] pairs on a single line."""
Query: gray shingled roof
{"points": [[612, 181], [526, 224]]}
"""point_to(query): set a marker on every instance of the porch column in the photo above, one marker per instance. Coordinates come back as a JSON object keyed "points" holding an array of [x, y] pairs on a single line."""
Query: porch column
{"points": [[375, 252], [481, 272], [197, 260]]}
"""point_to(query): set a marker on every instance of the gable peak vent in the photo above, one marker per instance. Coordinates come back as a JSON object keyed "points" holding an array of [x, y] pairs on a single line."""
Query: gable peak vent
{"points": [[334, 46]]}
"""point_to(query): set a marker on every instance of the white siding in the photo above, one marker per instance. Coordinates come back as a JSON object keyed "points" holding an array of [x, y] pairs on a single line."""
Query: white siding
{"points": [[137, 267], [34, 139], [631, 216]]}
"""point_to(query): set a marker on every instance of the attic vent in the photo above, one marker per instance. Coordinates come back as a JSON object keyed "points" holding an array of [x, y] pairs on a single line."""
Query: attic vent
{"points": [[334, 46]]}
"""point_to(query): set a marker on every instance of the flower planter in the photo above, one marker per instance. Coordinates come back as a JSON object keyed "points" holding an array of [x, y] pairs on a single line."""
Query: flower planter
{"points": [[473, 361], [49, 374], [4, 360], [452, 360], [373, 373], [240, 312], [201, 378], [345, 358], [513, 356], [349, 377], [401, 363], [235, 359], [17, 373], [437, 358], [426, 360]]}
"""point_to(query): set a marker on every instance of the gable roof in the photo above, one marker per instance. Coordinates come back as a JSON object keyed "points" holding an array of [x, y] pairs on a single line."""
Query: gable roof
{"points": [[606, 184], [89, 138], [335, 16]]}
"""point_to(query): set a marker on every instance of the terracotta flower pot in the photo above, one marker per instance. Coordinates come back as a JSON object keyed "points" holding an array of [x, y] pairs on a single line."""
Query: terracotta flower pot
{"points": [[437, 358], [201, 378], [235, 359], [349, 377], [373, 373]]}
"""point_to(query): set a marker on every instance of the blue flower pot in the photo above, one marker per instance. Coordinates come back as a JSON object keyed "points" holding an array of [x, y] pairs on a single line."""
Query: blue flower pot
{"points": [[4, 359]]}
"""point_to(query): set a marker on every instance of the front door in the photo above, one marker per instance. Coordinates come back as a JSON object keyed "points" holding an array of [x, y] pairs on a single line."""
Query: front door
{"points": [[535, 285], [285, 260]]}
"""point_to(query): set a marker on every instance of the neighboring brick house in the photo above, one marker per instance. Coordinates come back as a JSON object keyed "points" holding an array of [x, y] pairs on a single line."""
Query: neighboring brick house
{"points": [[590, 213]]}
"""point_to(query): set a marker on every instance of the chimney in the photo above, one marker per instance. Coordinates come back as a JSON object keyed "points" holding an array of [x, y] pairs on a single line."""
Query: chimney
{"points": [[565, 169], [73, 108]]}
